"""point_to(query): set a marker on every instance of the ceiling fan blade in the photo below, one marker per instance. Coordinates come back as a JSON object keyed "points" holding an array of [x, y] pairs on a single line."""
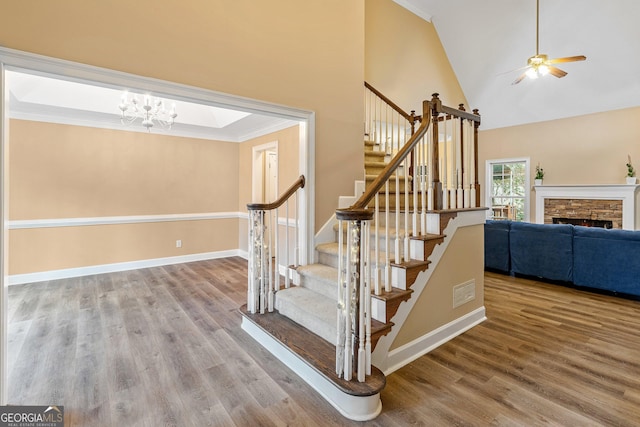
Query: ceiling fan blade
{"points": [[557, 72], [519, 79], [567, 59], [513, 71]]}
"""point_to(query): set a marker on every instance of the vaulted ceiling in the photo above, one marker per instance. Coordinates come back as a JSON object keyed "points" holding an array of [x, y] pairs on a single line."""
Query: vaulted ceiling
{"points": [[487, 42]]}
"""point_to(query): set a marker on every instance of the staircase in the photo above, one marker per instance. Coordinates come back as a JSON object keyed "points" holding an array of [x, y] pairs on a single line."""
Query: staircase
{"points": [[312, 304], [396, 255]]}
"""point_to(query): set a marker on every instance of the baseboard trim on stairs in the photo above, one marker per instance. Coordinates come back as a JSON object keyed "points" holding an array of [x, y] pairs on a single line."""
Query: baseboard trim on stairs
{"points": [[407, 353], [353, 407]]}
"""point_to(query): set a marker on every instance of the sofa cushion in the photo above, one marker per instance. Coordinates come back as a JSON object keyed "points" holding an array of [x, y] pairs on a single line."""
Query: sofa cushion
{"points": [[496, 245], [607, 259], [542, 250]]}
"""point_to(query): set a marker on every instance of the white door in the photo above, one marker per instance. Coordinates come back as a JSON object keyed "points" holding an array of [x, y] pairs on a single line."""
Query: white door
{"points": [[270, 177]]}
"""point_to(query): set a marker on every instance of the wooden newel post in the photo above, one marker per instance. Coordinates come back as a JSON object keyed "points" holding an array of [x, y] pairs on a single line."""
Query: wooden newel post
{"points": [[436, 107], [412, 162], [462, 142], [476, 184]]}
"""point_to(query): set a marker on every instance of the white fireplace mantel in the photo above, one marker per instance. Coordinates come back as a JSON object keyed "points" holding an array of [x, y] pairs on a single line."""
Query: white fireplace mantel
{"points": [[628, 193]]}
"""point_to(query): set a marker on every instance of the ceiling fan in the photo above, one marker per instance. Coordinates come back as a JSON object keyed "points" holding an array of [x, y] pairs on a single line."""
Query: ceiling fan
{"points": [[540, 64]]}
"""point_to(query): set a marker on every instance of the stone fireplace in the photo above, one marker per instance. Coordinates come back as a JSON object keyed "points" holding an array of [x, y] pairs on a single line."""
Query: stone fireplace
{"points": [[616, 205], [585, 212]]}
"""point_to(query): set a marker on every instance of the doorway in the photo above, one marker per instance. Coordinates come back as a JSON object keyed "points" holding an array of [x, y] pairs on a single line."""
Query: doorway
{"points": [[12, 60], [264, 178], [270, 176], [264, 173]]}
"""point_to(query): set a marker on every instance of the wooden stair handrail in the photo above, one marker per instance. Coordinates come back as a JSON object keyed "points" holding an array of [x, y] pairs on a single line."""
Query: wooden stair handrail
{"points": [[456, 112], [358, 209], [299, 183], [410, 117]]}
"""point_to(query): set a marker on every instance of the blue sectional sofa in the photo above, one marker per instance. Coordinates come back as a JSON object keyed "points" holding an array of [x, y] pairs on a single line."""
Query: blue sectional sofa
{"points": [[583, 256], [607, 259], [542, 250], [496, 245]]}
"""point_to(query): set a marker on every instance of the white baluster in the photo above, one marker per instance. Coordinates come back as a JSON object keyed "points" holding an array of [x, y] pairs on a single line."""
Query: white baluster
{"points": [[296, 254], [251, 306], [406, 209], [423, 186], [444, 169], [367, 305], [415, 184], [387, 242], [341, 304], [397, 257], [453, 200], [348, 367], [378, 269], [364, 266], [263, 265], [472, 166], [270, 279], [287, 279]]}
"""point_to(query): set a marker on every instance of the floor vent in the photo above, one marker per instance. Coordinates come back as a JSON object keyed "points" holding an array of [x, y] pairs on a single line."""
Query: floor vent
{"points": [[463, 293]]}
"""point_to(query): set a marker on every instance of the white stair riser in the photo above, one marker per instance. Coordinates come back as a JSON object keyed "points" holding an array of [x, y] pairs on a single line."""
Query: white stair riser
{"points": [[416, 250], [320, 286], [379, 309], [399, 278]]}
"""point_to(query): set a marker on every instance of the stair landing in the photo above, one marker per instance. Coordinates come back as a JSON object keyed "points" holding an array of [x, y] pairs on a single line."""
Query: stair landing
{"points": [[313, 359]]}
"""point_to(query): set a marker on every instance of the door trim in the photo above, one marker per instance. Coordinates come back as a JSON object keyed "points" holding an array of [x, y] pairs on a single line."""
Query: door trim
{"points": [[11, 59]]}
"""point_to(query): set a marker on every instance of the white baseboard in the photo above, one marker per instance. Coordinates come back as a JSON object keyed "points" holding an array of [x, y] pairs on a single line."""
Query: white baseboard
{"points": [[19, 279], [409, 352]]}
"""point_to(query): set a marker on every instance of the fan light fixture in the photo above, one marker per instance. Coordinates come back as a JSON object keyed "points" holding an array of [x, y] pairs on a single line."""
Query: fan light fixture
{"points": [[540, 64], [150, 110], [537, 67]]}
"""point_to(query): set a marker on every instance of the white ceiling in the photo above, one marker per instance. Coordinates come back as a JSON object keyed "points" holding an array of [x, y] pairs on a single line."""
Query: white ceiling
{"points": [[487, 40], [52, 99]]}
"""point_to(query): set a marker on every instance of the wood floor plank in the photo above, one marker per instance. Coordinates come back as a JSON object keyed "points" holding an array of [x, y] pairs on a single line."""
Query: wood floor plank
{"points": [[163, 346]]}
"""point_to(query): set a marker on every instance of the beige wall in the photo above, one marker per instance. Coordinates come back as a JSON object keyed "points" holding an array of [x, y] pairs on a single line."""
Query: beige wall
{"points": [[404, 58], [305, 54], [590, 149], [61, 171], [47, 249], [434, 308]]}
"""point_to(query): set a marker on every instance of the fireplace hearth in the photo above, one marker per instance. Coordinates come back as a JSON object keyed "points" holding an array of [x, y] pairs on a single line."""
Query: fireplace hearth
{"points": [[584, 222]]}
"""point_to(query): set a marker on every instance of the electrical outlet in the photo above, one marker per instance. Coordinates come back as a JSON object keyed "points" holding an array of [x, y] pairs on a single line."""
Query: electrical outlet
{"points": [[178, 243]]}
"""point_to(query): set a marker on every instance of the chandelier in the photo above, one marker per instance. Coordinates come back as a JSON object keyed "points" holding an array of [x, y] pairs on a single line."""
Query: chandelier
{"points": [[150, 110]]}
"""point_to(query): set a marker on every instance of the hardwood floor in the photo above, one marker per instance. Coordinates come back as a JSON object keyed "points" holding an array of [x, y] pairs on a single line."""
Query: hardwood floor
{"points": [[163, 346]]}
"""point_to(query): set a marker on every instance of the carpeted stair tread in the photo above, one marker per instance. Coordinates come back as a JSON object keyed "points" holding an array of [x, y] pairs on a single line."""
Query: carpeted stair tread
{"points": [[381, 231], [331, 250], [315, 312]]}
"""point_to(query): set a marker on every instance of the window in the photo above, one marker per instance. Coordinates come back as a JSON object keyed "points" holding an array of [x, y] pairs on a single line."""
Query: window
{"points": [[508, 189]]}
